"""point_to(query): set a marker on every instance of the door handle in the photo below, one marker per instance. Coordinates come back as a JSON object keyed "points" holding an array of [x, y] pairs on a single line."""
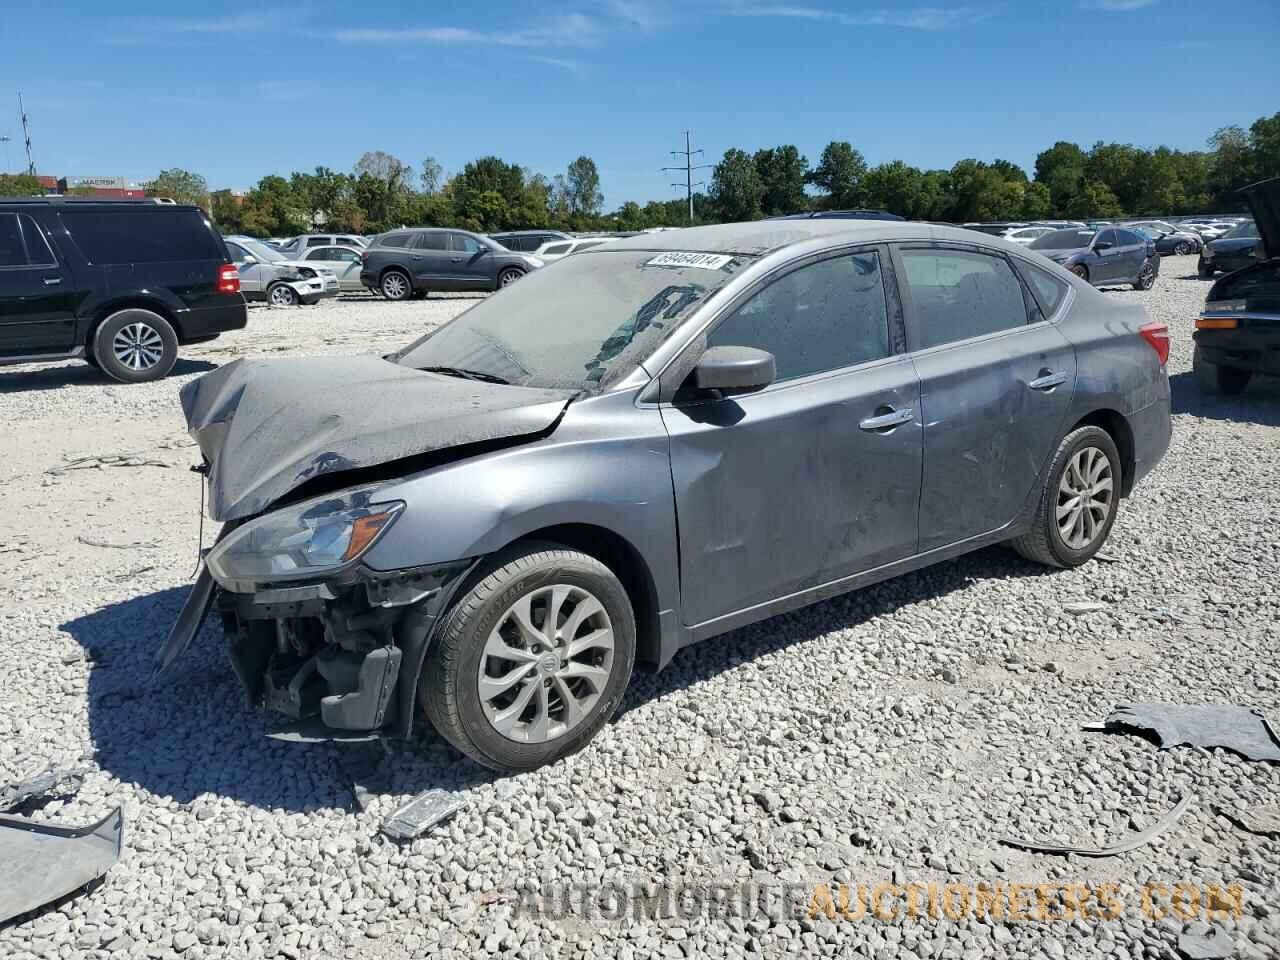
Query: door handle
{"points": [[415, 258], [1047, 380], [886, 418], [455, 259], [52, 281]]}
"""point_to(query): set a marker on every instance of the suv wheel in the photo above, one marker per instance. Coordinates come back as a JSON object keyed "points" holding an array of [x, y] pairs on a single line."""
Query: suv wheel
{"points": [[533, 659], [135, 345], [1214, 378], [1078, 502], [282, 295], [509, 276], [1146, 277], [396, 285]]}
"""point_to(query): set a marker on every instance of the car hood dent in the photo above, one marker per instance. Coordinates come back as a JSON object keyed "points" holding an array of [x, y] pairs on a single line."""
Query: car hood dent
{"points": [[1264, 201], [266, 427]]}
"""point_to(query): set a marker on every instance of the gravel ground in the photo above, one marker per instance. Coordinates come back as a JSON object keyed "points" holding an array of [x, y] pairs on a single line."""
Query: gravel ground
{"points": [[891, 735]]}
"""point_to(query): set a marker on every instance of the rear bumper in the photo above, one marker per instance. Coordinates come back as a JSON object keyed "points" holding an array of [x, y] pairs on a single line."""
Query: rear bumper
{"points": [[1152, 428], [205, 323], [1250, 348]]}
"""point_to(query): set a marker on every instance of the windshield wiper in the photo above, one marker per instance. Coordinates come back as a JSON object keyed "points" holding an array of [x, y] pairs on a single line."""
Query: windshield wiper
{"points": [[466, 374]]}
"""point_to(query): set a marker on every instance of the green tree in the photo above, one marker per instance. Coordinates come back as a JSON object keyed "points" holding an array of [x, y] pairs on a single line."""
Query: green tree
{"points": [[1094, 200], [1232, 166], [180, 185], [1061, 169], [272, 209], [432, 175], [19, 185], [382, 189], [1036, 203], [582, 188], [781, 172], [227, 211], [839, 175], [735, 187], [900, 188], [1264, 137]]}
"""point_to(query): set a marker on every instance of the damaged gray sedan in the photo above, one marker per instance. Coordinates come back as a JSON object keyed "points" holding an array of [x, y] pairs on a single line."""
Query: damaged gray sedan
{"points": [[646, 445]]}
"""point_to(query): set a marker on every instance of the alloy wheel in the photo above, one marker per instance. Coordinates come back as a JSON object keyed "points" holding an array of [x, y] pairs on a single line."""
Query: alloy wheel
{"points": [[1147, 276], [509, 277], [394, 286], [546, 663], [282, 296], [137, 346], [1183, 248], [1086, 494]]}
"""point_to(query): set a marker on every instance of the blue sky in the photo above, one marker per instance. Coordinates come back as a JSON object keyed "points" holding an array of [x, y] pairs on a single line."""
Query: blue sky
{"points": [[238, 91]]}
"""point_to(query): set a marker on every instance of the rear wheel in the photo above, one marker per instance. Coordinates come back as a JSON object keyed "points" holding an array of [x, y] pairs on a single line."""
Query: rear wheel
{"points": [[1214, 378], [533, 659], [135, 345], [1146, 277], [396, 285], [1182, 248], [1078, 502]]}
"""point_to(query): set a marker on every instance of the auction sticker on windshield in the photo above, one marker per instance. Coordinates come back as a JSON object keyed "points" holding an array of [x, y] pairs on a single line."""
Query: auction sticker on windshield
{"points": [[708, 261]]}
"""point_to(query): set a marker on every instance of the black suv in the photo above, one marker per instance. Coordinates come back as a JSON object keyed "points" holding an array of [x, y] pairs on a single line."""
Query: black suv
{"points": [[406, 263], [119, 283]]}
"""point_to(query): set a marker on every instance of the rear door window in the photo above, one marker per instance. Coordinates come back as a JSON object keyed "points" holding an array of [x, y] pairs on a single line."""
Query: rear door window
{"points": [[395, 240], [432, 241], [38, 252], [12, 251], [141, 236], [461, 243], [958, 294], [820, 317]]}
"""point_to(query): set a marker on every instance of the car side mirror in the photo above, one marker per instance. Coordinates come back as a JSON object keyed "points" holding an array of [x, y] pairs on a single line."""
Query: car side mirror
{"points": [[249, 259], [733, 370], [1100, 246]]}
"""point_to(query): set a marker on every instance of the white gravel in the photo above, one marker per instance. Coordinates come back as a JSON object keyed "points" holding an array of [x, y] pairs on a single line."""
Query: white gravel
{"points": [[889, 735]]}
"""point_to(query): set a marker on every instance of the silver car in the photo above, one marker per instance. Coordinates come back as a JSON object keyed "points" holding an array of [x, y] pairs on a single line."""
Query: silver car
{"points": [[267, 274], [343, 261], [297, 247], [654, 442]]}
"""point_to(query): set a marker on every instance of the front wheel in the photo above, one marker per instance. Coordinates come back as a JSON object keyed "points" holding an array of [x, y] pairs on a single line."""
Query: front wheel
{"points": [[1077, 503], [282, 295], [135, 345], [1080, 271], [533, 659], [1182, 248], [1146, 277], [1214, 378], [509, 276]]}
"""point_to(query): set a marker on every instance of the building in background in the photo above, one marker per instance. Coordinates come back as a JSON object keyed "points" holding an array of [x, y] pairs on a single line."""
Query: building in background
{"points": [[120, 188]]}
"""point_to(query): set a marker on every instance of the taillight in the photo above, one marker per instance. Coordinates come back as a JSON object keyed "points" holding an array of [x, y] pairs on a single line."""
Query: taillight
{"points": [[228, 279], [1217, 323], [1157, 334]]}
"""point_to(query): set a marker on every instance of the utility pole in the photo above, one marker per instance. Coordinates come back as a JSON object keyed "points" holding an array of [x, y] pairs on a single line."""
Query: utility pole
{"points": [[26, 135], [688, 153]]}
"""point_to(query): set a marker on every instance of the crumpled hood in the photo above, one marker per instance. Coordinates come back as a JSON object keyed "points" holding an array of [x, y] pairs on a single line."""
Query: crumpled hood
{"points": [[268, 426], [1264, 201]]}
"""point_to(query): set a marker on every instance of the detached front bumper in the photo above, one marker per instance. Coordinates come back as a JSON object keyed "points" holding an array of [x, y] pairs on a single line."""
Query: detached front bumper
{"points": [[334, 657], [311, 291]]}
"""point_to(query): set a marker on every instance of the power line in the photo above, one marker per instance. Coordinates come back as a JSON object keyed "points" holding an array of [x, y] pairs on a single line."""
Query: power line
{"points": [[688, 153], [26, 134]]}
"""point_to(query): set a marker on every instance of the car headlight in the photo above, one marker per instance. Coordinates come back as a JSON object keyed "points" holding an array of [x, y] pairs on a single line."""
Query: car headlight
{"points": [[534, 261], [304, 540]]}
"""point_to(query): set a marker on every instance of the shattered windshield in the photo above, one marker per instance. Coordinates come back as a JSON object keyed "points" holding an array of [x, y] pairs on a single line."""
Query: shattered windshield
{"points": [[582, 323]]}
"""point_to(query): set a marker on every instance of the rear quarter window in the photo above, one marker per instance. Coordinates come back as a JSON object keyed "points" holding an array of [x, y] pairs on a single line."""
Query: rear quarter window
{"points": [[394, 240], [142, 236], [1049, 291]]}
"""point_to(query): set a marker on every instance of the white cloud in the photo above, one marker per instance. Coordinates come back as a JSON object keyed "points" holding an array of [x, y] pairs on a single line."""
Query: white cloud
{"points": [[571, 30], [1116, 6], [914, 18]]}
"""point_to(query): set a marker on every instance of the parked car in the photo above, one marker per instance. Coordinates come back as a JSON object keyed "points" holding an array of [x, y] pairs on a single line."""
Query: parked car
{"points": [[1105, 257], [1208, 230], [1025, 235], [1236, 248], [121, 284], [994, 228], [1168, 238], [297, 247], [345, 262], [484, 524], [407, 263], [1238, 333], [527, 241], [841, 215], [558, 249], [267, 274]]}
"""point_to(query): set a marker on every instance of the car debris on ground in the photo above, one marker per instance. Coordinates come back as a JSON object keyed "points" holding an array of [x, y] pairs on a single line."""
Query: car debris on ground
{"points": [[422, 813], [1241, 730], [1131, 842], [43, 862], [52, 782]]}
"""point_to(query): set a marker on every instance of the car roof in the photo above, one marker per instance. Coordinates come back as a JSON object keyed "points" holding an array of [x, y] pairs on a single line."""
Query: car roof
{"points": [[763, 236]]}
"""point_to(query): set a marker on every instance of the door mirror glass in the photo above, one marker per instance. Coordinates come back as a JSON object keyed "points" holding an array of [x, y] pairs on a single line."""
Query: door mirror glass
{"points": [[733, 370], [1101, 245]]}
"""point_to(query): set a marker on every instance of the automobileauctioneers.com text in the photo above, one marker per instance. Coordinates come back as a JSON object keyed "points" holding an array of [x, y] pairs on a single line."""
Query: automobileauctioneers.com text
{"points": [[884, 901]]}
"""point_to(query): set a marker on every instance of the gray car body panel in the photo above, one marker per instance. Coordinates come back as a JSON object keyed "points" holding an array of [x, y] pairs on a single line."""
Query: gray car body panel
{"points": [[709, 514]]}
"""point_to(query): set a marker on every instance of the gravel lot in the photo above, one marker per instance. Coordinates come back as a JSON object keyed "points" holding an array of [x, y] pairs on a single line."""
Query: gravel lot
{"points": [[890, 735]]}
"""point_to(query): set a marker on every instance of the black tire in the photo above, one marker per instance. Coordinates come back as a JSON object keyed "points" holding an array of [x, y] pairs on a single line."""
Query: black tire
{"points": [[449, 685], [91, 360], [1080, 270], [396, 285], [419, 295], [146, 345], [1213, 378], [1205, 273], [1183, 247], [282, 295], [508, 276], [1146, 276], [1044, 541]]}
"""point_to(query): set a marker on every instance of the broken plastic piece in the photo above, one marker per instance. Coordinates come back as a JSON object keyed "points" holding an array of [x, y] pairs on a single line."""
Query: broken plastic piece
{"points": [[313, 730], [1239, 729], [44, 862], [1131, 842], [421, 813], [53, 782]]}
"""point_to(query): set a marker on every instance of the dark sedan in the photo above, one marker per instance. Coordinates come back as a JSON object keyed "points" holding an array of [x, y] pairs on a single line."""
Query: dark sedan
{"points": [[1236, 248], [1167, 238], [409, 263], [1104, 256]]}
